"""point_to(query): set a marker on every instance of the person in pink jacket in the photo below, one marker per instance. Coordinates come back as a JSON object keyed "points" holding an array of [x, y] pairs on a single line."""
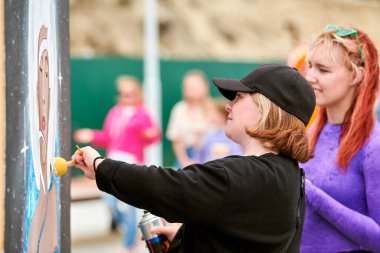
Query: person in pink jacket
{"points": [[128, 128]]}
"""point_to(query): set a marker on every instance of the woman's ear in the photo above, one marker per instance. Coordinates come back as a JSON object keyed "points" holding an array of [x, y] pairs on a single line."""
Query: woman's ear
{"points": [[358, 76]]}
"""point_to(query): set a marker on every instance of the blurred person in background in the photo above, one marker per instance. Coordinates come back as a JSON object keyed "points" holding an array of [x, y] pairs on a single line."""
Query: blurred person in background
{"points": [[216, 144], [188, 122], [343, 179], [297, 59], [128, 128], [249, 203]]}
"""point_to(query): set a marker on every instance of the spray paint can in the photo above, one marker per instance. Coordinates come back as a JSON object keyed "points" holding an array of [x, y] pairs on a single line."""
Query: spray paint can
{"points": [[155, 243]]}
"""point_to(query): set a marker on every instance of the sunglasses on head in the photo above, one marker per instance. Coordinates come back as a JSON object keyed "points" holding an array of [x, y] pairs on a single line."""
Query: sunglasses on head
{"points": [[344, 32]]}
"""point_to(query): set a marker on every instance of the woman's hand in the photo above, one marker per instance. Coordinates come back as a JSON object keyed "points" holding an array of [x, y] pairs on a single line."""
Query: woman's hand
{"points": [[307, 181], [169, 230], [151, 133], [84, 160], [84, 135]]}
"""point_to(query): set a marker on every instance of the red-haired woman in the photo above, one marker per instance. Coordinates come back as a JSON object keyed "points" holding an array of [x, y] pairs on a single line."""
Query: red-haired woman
{"points": [[343, 179]]}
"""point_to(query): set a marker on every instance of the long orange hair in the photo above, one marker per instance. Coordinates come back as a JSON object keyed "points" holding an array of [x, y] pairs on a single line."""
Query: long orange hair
{"points": [[359, 120]]}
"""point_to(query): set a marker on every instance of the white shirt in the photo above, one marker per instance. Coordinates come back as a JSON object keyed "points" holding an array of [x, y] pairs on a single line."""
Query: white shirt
{"points": [[187, 124]]}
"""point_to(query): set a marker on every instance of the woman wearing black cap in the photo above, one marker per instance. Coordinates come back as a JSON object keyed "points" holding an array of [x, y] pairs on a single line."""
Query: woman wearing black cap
{"points": [[250, 203]]}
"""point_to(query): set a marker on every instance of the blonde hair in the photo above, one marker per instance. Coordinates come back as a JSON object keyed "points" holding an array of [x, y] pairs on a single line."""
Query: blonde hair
{"points": [[123, 79], [352, 56], [280, 131], [206, 103]]}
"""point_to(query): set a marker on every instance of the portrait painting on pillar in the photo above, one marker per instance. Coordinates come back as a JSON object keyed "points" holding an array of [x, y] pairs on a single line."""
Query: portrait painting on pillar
{"points": [[42, 214]]}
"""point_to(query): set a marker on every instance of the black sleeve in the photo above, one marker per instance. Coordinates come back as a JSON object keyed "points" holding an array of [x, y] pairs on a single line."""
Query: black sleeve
{"points": [[193, 194]]}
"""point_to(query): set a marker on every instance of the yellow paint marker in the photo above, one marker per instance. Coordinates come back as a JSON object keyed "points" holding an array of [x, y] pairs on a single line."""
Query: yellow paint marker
{"points": [[60, 166]]}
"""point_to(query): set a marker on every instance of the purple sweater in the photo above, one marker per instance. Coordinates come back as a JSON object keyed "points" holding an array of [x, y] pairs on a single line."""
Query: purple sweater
{"points": [[343, 209]]}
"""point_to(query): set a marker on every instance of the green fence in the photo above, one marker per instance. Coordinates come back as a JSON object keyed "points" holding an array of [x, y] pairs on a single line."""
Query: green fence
{"points": [[93, 90]]}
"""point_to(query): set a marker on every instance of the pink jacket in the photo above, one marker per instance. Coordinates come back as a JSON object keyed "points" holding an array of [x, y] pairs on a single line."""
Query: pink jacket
{"points": [[124, 131]]}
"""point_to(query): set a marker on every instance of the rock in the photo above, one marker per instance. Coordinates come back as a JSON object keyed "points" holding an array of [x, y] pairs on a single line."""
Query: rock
{"points": [[214, 29]]}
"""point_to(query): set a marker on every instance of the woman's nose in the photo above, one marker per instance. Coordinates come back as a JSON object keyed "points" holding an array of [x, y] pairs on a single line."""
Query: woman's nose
{"points": [[228, 107], [310, 77]]}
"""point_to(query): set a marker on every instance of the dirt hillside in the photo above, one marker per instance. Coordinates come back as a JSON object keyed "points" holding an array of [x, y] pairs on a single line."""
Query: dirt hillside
{"points": [[214, 29]]}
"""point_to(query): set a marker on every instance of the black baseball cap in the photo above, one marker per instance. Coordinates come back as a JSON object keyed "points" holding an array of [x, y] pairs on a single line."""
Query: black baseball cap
{"points": [[283, 85]]}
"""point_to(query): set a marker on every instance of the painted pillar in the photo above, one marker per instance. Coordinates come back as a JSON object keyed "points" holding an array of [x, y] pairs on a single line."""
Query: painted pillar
{"points": [[37, 204]]}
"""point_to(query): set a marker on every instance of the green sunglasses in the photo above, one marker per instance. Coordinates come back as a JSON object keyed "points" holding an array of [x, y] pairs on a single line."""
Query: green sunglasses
{"points": [[344, 32]]}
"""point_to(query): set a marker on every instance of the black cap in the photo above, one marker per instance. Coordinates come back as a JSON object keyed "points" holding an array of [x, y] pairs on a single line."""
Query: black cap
{"points": [[283, 85]]}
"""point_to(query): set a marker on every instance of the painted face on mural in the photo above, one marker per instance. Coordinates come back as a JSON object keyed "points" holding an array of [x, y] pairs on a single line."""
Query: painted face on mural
{"points": [[43, 96]]}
